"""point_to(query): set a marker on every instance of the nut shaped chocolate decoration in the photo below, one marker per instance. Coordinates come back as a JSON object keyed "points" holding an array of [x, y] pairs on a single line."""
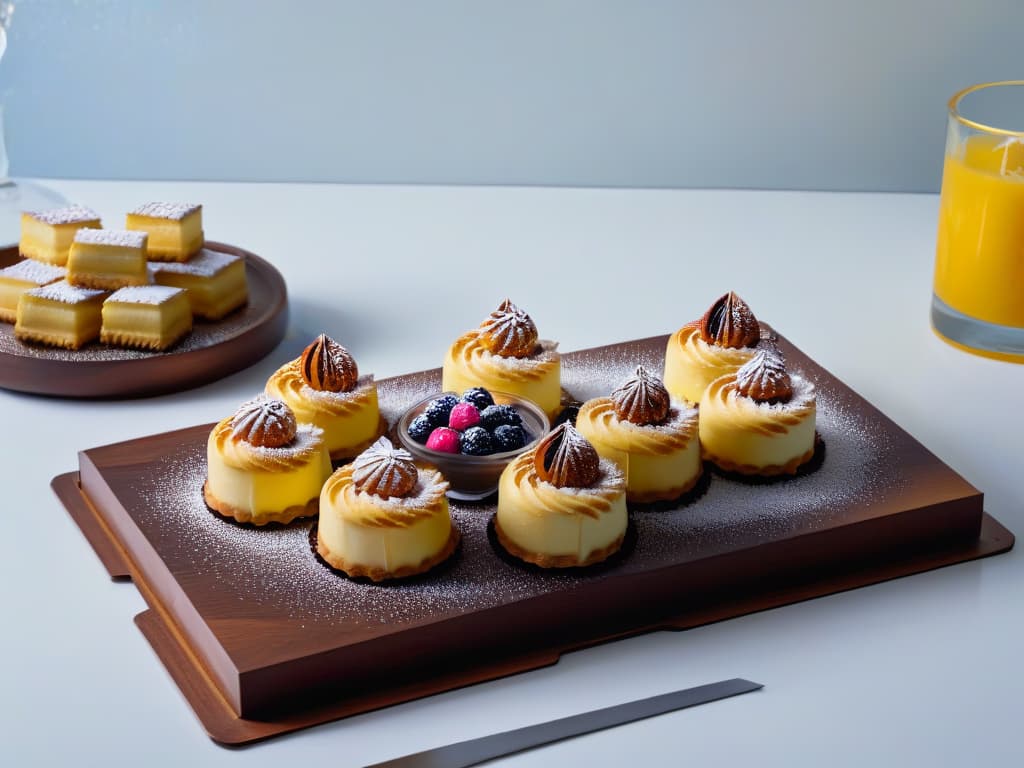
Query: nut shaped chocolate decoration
{"points": [[328, 367], [764, 377], [566, 459], [509, 331], [264, 422], [730, 323], [384, 470], [642, 399]]}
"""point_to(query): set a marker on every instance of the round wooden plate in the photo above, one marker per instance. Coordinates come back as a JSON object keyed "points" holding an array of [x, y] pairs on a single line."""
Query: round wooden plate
{"points": [[213, 349]]}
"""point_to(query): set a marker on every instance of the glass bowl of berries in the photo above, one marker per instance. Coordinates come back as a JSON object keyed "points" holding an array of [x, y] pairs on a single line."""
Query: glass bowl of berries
{"points": [[471, 437]]}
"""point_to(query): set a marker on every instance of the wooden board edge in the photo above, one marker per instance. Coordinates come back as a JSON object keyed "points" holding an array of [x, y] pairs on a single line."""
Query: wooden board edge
{"points": [[89, 522]]}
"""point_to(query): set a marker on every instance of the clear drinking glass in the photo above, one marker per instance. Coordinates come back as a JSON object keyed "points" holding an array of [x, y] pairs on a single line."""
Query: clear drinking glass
{"points": [[978, 298]]}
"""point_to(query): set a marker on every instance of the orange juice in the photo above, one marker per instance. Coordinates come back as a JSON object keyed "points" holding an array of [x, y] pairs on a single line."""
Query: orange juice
{"points": [[979, 262]]}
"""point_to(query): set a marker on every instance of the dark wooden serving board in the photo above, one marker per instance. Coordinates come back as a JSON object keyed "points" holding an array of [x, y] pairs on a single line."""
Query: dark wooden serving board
{"points": [[212, 351], [262, 639]]}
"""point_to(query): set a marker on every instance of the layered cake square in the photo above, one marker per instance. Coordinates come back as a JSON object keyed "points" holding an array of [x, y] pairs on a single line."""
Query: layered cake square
{"points": [[59, 314], [175, 229], [215, 281], [21, 277], [146, 317], [107, 259], [47, 235]]}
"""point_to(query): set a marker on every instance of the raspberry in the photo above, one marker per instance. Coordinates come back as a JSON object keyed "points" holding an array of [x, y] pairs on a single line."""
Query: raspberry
{"points": [[464, 416], [478, 396], [420, 428], [476, 441], [437, 410], [493, 416], [509, 438], [444, 440]]}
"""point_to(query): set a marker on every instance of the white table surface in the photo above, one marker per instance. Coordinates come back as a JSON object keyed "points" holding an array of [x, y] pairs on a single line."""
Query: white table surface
{"points": [[920, 671]]}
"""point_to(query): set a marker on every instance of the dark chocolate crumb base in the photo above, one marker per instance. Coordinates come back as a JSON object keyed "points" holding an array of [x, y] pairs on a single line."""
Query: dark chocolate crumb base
{"points": [[807, 468], [684, 500], [613, 561], [437, 573]]}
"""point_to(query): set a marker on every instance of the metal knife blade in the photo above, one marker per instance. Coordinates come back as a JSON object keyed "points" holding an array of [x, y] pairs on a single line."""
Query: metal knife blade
{"points": [[474, 751]]}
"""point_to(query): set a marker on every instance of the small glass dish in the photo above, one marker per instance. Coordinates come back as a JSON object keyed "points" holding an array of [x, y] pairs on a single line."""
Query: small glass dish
{"points": [[473, 477]]}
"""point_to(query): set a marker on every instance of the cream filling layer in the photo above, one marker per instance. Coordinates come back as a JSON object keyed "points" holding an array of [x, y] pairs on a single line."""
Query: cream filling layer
{"points": [[80, 320], [180, 239], [743, 431], [210, 296], [155, 321], [691, 363], [50, 242]]}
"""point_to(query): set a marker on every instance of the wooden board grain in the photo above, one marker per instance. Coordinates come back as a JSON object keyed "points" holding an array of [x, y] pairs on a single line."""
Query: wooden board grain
{"points": [[263, 640], [212, 351]]}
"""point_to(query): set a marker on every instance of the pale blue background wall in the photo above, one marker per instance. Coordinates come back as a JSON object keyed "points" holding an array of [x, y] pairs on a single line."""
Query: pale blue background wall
{"points": [[814, 94]]}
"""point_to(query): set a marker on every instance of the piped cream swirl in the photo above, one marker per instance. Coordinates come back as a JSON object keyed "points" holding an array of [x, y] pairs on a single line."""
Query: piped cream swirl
{"points": [[239, 454], [426, 500], [597, 420]]}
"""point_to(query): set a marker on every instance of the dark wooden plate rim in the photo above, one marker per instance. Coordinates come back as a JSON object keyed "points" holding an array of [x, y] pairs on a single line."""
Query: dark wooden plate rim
{"points": [[159, 373]]}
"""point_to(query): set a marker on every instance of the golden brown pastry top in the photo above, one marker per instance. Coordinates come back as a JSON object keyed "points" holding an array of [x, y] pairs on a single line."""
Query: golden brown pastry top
{"points": [[509, 332], [729, 322], [541, 497], [602, 424], [384, 470], [642, 399], [328, 367], [566, 459]]}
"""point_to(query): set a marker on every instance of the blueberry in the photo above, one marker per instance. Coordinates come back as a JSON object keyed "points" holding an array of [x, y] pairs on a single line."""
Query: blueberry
{"points": [[476, 441], [479, 397], [509, 438], [420, 428], [439, 409], [493, 416]]}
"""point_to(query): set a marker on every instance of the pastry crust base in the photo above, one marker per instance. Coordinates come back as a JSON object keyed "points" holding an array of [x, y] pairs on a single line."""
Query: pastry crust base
{"points": [[138, 341], [555, 561], [356, 570], [772, 470], [285, 516], [668, 494], [105, 283], [346, 454], [8, 315], [50, 339]]}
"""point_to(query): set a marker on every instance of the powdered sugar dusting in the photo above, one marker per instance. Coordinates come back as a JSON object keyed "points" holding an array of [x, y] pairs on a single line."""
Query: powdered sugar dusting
{"points": [[144, 294], [119, 238], [33, 271], [173, 211], [206, 263], [71, 214], [65, 293]]}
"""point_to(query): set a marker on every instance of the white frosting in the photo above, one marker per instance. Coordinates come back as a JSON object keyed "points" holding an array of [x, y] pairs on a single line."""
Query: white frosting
{"points": [[121, 238], [173, 211], [206, 263], [64, 292], [144, 294], [70, 214], [33, 271]]}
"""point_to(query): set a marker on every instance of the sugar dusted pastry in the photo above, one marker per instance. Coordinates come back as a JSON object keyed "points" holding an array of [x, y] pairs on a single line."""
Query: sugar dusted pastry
{"points": [[21, 277], [717, 344], [175, 229], [146, 317], [263, 467], [759, 420], [60, 315], [323, 387], [107, 259], [651, 437], [215, 281], [561, 505], [383, 517], [505, 355], [47, 235]]}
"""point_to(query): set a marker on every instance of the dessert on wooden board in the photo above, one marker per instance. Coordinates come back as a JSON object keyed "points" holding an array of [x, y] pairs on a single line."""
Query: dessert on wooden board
{"points": [[505, 354], [323, 387], [175, 229], [384, 517], [652, 437], [263, 467], [46, 235]]}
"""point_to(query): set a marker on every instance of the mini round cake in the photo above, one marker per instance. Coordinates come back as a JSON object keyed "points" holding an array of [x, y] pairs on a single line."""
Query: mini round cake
{"points": [[759, 420], [323, 387], [561, 505], [263, 467], [383, 517], [651, 437], [716, 345], [504, 354]]}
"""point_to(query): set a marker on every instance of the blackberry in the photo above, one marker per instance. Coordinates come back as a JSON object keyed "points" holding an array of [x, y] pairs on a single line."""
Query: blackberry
{"points": [[508, 437], [439, 409], [476, 441], [478, 396], [493, 416], [420, 428], [568, 414]]}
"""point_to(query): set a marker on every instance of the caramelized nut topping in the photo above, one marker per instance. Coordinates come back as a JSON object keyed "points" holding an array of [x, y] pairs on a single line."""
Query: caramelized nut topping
{"points": [[642, 399], [329, 367], [764, 378], [509, 332], [264, 422], [384, 470], [730, 323], [566, 459]]}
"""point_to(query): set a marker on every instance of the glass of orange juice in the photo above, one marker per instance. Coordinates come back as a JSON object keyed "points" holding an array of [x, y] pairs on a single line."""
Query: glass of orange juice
{"points": [[978, 299]]}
